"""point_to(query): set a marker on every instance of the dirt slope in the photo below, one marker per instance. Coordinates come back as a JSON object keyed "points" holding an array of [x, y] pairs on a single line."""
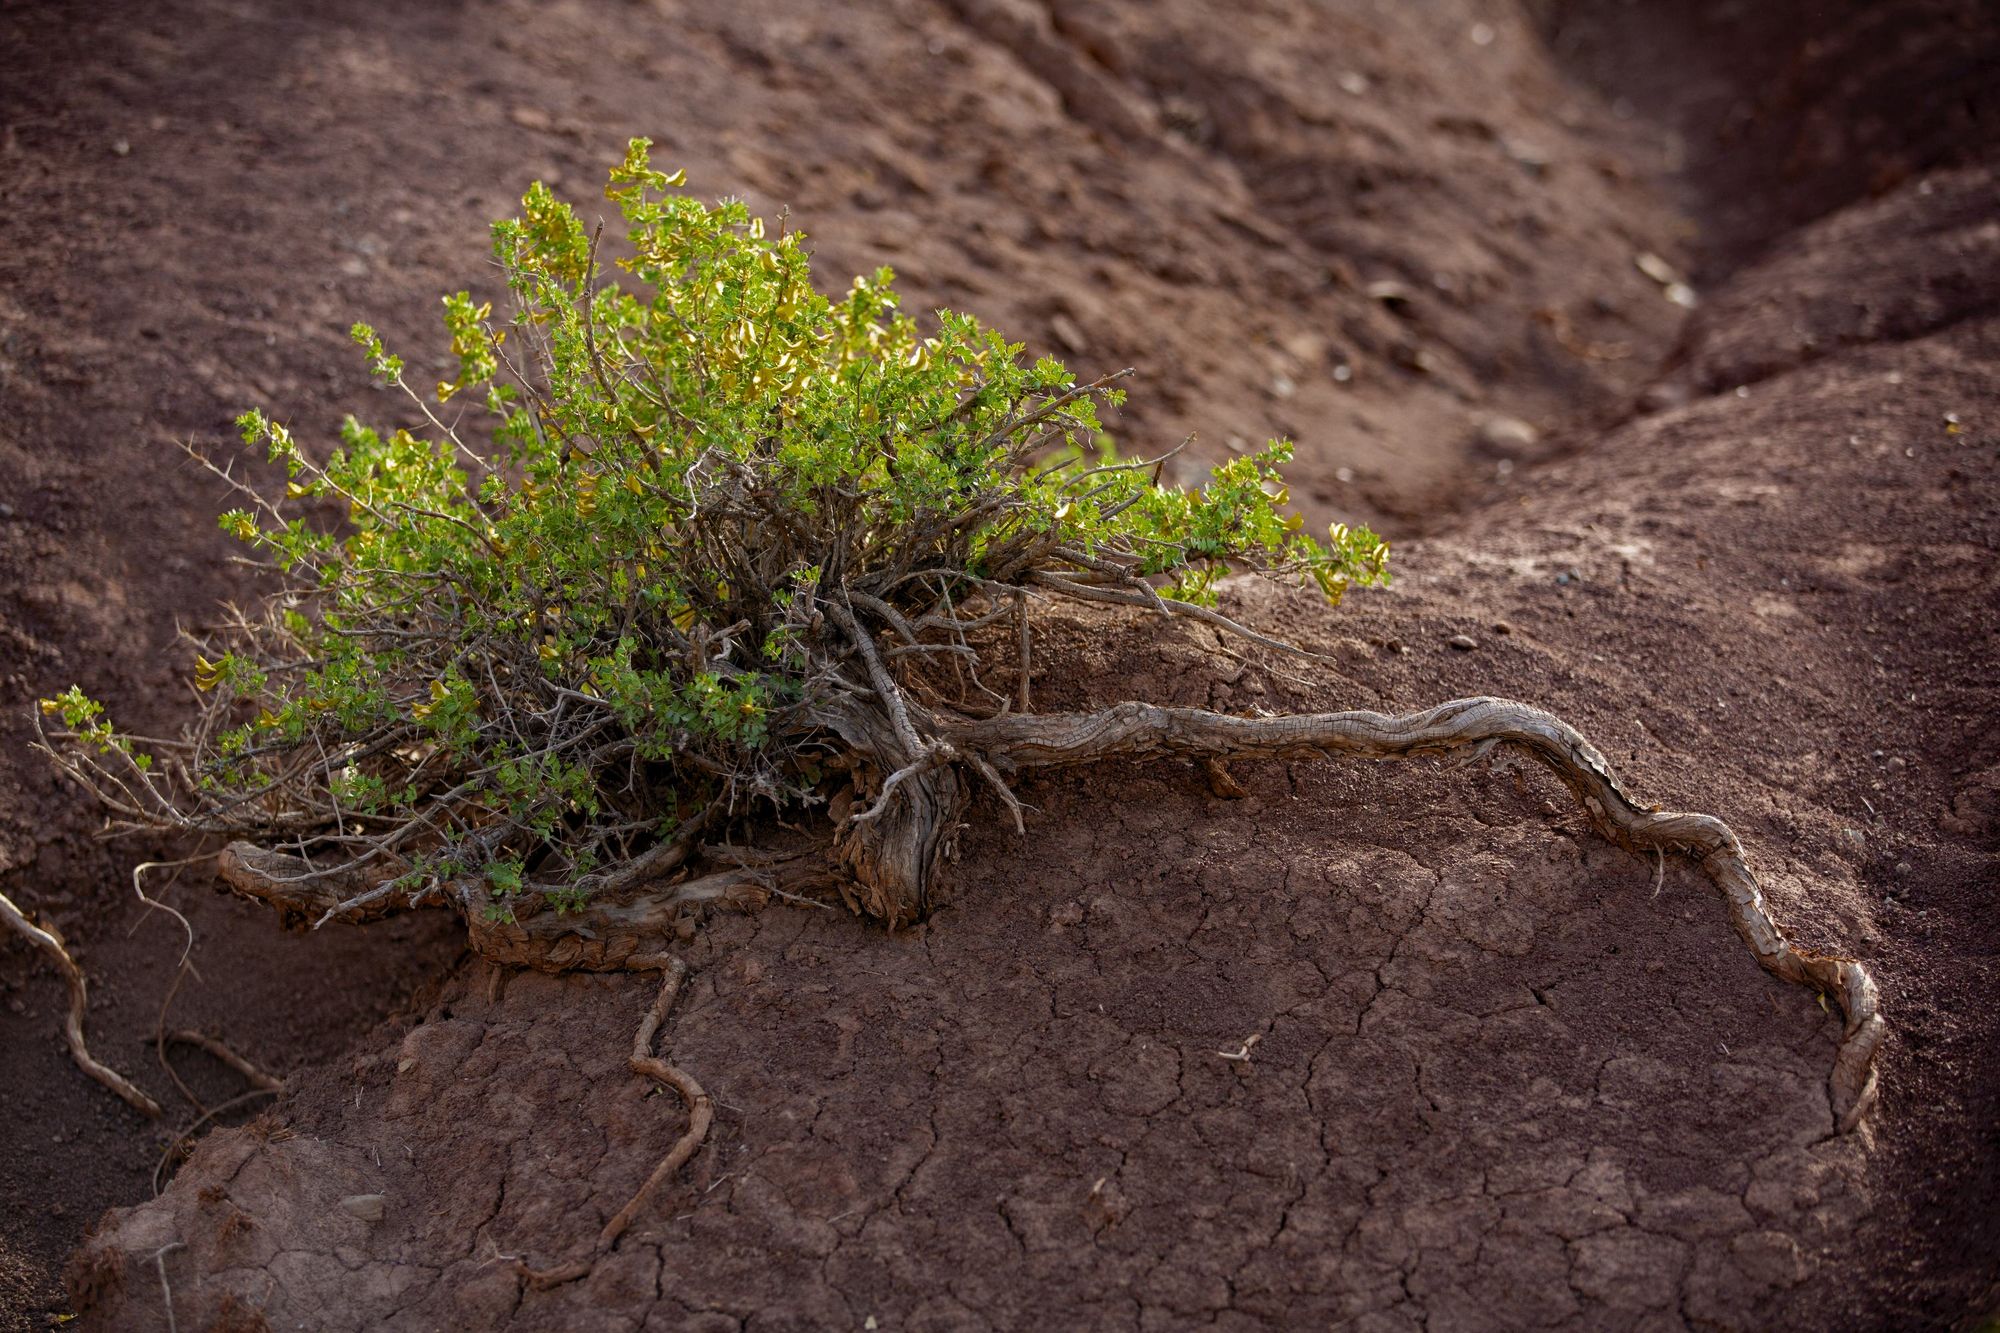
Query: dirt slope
{"points": [[1493, 1074]]}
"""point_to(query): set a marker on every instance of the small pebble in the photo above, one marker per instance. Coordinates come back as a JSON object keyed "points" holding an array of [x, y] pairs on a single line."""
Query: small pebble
{"points": [[1508, 437], [1663, 396], [1656, 268], [367, 1207], [1465, 643], [1904, 867], [1529, 157], [1899, 762], [1502, 627], [1392, 294]]}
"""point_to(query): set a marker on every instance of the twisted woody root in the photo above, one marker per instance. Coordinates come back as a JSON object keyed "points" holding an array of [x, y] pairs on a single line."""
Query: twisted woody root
{"points": [[625, 933], [623, 930], [701, 1113], [1138, 730]]}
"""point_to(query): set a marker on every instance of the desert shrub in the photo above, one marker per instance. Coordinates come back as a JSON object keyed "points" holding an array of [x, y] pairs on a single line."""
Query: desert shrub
{"points": [[710, 608], [670, 581]]}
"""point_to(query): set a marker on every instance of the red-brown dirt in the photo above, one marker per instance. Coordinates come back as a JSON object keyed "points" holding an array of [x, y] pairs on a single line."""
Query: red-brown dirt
{"points": [[1498, 1082]]}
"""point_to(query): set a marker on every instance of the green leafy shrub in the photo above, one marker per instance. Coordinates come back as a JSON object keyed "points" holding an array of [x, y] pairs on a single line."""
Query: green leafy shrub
{"points": [[669, 583]]}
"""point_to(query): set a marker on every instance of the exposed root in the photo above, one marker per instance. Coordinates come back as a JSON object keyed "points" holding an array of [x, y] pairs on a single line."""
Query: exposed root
{"points": [[162, 1038], [701, 1114], [606, 936], [166, 1291], [1138, 730], [51, 944], [1221, 783], [255, 1077], [888, 860]]}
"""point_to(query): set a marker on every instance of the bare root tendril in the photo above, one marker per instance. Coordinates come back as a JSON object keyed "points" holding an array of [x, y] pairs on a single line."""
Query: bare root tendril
{"points": [[79, 996], [701, 1114], [886, 860], [255, 1077]]}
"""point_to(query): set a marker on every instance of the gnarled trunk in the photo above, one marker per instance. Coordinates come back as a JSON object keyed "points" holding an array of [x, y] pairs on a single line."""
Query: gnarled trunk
{"points": [[898, 825]]}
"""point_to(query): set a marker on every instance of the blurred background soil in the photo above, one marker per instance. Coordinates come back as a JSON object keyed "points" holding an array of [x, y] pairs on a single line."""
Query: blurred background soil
{"points": [[1663, 336]]}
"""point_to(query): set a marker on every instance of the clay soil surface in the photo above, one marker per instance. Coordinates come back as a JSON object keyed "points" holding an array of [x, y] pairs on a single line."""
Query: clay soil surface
{"points": [[1745, 539]]}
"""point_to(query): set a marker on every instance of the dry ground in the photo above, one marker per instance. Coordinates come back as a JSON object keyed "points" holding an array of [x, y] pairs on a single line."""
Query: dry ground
{"points": [[1744, 549]]}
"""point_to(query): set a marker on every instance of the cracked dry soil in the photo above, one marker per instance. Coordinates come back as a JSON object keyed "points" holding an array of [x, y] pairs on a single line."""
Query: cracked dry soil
{"points": [[1497, 1081]]}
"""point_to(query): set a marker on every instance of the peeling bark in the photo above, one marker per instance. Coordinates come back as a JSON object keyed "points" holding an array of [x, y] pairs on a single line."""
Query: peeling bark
{"points": [[893, 866], [901, 827]]}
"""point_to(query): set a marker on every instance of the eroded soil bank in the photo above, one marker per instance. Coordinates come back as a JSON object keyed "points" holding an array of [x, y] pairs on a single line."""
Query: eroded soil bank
{"points": [[1749, 551]]}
